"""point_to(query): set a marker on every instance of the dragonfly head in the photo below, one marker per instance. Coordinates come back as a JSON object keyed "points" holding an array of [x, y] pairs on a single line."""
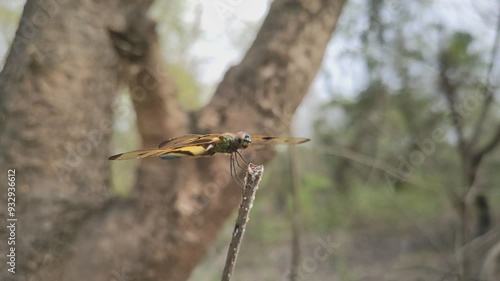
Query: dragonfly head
{"points": [[242, 140]]}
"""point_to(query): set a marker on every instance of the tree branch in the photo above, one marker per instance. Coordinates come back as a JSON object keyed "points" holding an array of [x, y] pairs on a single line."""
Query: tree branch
{"points": [[364, 160], [449, 91], [276, 72], [488, 147], [486, 106], [155, 100], [487, 91], [252, 180]]}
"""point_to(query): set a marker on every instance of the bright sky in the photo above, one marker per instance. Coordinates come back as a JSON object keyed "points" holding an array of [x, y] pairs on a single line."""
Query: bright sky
{"points": [[220, 18]]}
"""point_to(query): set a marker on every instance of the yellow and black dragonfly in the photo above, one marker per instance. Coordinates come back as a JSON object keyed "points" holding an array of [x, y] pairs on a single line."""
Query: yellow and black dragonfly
{"points": [[207, 145]]}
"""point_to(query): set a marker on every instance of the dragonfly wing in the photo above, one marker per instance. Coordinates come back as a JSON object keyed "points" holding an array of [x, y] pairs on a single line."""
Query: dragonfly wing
{"points": [[262, 140], [169, 153], [188, 145], [178, 140], [188, 151], [136, 154], [189, 140]]}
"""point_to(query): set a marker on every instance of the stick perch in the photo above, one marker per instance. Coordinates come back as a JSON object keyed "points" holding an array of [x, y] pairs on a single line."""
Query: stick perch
{"points": [[252, 179]]}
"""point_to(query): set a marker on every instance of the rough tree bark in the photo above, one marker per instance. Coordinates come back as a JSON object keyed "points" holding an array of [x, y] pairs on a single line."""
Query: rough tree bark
{"points": [[56, 93], [61, 98]]}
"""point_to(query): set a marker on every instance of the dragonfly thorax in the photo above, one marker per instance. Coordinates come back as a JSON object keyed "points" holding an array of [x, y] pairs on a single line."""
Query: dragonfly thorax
{"points": [[230, 143]]}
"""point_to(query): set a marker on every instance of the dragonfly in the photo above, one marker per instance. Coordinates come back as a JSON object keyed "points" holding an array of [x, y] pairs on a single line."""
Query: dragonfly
{"points": [[197, 145]]}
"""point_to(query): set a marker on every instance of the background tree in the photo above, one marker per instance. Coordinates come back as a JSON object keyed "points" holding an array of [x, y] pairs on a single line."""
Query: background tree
{"points": [[418, 83], [72, 227]]}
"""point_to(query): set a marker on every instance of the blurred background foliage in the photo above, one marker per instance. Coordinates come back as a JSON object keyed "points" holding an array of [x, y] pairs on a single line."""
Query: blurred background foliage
{"points": [[376, 98]]}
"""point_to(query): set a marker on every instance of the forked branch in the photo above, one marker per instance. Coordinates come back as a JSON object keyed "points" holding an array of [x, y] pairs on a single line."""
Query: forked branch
{"points": [[252, 179]]}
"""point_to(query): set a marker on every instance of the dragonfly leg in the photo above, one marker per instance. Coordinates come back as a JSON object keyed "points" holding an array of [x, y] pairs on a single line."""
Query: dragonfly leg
{"points": [[244, 168], [234, 173], [231, 164], [242, 158]]}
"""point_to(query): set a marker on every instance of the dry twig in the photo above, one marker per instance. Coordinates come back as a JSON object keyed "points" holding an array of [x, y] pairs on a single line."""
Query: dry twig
{"points": [[252, 179]]}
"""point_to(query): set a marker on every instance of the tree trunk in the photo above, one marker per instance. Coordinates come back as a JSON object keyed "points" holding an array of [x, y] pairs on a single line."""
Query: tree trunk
{"points": [[70, 230], [56, 94]]}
